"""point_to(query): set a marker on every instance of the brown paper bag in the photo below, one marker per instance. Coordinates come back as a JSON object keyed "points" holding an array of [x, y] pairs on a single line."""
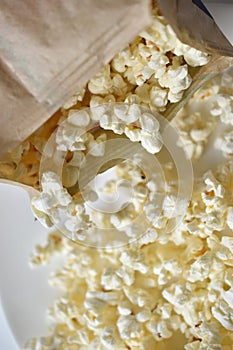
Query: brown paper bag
{"points": [[50, 49], [195, 26]]}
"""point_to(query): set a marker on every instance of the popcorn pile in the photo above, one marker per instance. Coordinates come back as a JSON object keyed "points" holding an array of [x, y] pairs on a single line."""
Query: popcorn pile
{"points": [[162, 289]]}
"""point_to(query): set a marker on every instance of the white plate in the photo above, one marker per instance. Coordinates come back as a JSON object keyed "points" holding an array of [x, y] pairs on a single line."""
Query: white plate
{"points": [[7, 340], [24, 293]]}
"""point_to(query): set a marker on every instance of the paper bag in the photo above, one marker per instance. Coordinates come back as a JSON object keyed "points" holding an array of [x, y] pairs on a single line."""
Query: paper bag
{"points": [[50, 49], [195, 26]]}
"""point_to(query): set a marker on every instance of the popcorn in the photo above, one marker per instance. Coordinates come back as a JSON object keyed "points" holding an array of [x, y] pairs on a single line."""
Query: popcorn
{"points": [[134, 260], [119, 86], [161, 34], [158, 97], [96, 105], [161, 284], [155, 290], [128, 327], [192, 56], [109, 122], [157, 62], [222, 108], [151, 142], [195, 123], [57, 200], [129, 114], [123, 217], [110, 339], [208, 337], [176, 79], [97, 148], [122, 60], [138, 296], [230, 217], [149, 123], [223, 312], [170, 206], [163, 330], [134, 134], [39, 213], [225, 143], [149, 236], [78, 118], [75, 99], [200, 268], [143, 315], [102, 82], [127, 274]]}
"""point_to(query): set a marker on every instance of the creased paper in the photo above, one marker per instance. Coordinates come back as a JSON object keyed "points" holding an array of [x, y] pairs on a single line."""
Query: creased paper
{"points": [[195, 27], [50, 49]]}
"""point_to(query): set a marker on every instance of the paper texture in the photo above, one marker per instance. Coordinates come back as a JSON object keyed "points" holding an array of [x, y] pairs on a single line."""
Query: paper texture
{"points": [[50, 49], [195, 27]]}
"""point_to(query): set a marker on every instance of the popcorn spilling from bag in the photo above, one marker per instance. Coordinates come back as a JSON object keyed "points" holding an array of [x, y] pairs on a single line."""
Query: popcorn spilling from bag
{"points": [[154, 71], [163, 289]]}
